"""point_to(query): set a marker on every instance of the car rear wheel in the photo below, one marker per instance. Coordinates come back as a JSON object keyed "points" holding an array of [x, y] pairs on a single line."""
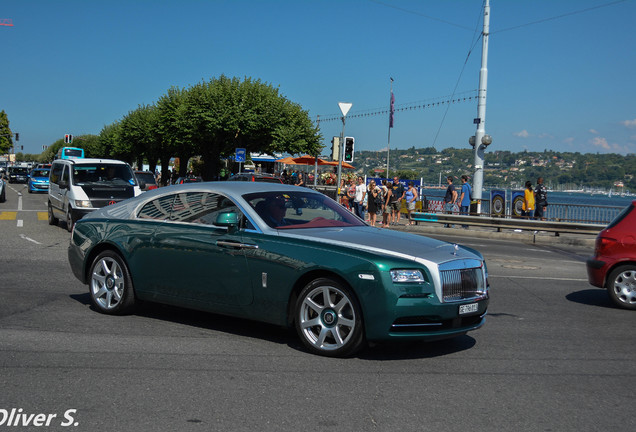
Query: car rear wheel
{"points": [[328, 319], [621, 286], [110, 285], [52, 219]]}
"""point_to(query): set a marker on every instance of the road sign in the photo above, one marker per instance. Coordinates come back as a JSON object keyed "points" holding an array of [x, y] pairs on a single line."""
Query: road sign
{"points": [[240, 155]]}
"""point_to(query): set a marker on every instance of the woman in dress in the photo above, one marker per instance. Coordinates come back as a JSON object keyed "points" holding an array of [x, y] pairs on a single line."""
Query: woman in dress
{"points": [[373, 192]]}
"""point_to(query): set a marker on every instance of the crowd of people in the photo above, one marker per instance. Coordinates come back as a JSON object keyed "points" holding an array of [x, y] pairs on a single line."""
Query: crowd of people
{"points": [[382, 202]]}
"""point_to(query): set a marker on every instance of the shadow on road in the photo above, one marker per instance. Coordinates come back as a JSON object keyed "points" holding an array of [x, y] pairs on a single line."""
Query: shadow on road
{"points": [[591, 297], [280, 335]]}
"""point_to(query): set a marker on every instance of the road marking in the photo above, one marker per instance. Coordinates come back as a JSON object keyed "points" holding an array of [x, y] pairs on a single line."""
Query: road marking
{"points": [[20, 223], [19, 201], [8, 215], [29, 239], [537, 277], [43, 216]]}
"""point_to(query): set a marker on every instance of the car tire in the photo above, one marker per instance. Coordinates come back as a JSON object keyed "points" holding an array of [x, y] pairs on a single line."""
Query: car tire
{"points": [[329, 319], [69, 220], [110, 285], [52, 218], [621, 286]]}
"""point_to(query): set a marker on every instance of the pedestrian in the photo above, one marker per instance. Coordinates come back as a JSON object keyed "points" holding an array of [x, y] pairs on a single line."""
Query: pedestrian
{"points": [[358, 201], [374, 202], [527, 209], [449, 198], [351, 195], [411, 197], [343, 198], [464, 198], [398, 195], [541, 199], [300, 179], [386, 213]]}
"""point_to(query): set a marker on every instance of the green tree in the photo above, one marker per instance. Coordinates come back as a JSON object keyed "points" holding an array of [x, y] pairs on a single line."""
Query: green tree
{"points": [[6, 136]]}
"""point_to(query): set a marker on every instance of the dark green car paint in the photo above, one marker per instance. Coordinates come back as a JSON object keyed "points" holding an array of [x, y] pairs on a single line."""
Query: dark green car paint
{"points": [[259, 285]]}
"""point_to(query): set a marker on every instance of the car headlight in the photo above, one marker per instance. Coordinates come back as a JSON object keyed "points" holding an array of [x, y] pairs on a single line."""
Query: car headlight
{"points": [[82, 203], [406, 275]]}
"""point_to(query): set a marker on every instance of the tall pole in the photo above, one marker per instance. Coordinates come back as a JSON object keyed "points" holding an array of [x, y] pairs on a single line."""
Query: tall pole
{"points": [[344, 109], [391, 112], [481, 139]]}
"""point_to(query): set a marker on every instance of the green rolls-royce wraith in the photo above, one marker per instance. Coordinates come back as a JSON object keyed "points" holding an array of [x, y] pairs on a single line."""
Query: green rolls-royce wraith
{"points": [[280, 254]]}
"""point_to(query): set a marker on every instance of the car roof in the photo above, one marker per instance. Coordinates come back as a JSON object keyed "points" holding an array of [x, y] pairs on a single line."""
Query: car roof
{"points": [[88, 161]]}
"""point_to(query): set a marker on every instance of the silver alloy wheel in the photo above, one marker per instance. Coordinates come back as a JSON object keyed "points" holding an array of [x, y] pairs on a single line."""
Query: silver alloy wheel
{"points": [[624, 286], [327, 318], [107, 283]]}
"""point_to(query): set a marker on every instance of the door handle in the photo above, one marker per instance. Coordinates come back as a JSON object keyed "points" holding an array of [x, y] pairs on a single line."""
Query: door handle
{"points": [[235, 245]]}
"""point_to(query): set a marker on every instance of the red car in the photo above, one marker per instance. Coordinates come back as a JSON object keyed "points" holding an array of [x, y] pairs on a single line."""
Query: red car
{"points": [[613, 265]]}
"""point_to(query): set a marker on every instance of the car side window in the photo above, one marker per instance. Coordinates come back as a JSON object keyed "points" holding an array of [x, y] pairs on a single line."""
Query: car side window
{"points": [[65, 175], [56, 173], [202, 208], [158, 209]]}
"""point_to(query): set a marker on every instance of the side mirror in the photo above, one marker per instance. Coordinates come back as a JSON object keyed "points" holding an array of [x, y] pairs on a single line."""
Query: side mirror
{"points": [[63, 184], [229, 220]]}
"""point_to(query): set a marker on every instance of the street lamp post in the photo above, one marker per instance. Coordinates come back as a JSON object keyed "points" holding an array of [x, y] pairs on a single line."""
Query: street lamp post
{"points": [[480, 140]]}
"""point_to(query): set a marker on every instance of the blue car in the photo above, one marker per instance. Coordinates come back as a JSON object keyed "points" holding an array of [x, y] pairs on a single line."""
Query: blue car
{"points": [[39, 180]]}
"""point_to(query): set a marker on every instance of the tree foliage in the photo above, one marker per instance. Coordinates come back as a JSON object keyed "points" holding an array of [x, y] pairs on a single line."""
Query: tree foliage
{"points": [[6, 136]]}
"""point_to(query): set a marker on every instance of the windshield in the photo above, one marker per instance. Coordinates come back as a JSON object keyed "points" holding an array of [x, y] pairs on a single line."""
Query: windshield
{"points": [[40, 173], [103, 173], [18, 170], [296, 210], [72, 152]]}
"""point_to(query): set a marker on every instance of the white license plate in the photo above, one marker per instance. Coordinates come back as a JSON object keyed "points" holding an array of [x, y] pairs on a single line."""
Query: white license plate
{"points": [[468, 308]]}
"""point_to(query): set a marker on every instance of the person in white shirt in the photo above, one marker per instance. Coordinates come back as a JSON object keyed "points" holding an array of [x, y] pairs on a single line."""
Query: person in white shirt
{"points": [[358, 201]]}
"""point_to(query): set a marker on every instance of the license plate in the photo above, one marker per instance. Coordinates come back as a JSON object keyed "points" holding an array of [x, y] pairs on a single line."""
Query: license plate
{"points": [[468, 308]]}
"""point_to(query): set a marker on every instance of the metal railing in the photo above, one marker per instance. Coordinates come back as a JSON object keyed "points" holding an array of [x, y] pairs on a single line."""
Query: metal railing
{"points": [[560, 217]]}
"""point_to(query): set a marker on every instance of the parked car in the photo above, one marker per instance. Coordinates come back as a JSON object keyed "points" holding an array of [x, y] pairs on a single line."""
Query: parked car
{"points": [[78, 186], [39, 180], [184, 180], [279, 254], [148, 178], [3, 190], [613, 265], [253, 177], [18, 174]]}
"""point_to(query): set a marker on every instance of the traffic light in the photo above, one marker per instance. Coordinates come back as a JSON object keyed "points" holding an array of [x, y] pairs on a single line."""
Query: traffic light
{"points": [[348, 150], [17, 136], [335, 148], [68, 138]]}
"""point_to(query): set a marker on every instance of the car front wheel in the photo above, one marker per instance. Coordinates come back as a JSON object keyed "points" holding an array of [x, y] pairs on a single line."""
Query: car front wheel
{"points": [[69, 220], [328, 319], [52, 218], [621, 286], [110, 285]]}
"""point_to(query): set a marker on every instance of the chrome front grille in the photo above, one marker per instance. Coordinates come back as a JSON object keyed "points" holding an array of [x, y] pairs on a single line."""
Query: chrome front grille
{"points": [[462, 284]]}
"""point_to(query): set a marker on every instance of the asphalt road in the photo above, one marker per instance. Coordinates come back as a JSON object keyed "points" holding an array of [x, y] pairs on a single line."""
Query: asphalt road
{"points": [[554, 355]]}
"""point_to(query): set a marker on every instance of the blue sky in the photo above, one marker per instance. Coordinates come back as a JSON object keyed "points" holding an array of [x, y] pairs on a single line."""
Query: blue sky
{"points": [[560, 72]]}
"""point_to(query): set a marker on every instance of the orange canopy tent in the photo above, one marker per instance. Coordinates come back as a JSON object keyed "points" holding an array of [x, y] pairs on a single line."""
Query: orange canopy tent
{"points": [[302, 160]]}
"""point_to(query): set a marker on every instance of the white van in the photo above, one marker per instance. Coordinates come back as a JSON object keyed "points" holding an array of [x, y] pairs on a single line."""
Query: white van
{"points": [[79, 186]]}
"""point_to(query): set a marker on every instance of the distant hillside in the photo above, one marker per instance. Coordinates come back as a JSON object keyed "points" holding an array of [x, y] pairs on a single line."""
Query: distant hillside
{"points": [[505, 168]]}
